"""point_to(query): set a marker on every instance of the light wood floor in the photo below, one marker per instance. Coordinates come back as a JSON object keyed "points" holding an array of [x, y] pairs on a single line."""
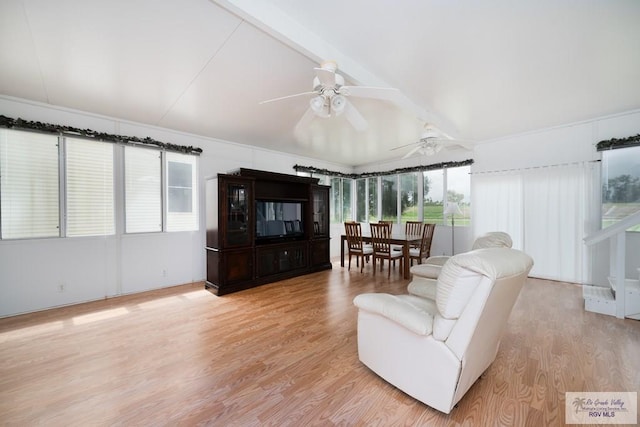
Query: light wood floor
{"points": [[285, 354]]}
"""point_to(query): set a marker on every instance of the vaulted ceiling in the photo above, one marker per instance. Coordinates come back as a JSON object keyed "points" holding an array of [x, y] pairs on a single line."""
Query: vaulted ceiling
{"points": [[477, 70]]}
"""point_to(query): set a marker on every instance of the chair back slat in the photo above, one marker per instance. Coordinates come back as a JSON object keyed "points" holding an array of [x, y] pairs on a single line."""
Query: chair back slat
{"points": [[380, 237], [353, 230], [388, 222], [413, 228], [427, 238]]}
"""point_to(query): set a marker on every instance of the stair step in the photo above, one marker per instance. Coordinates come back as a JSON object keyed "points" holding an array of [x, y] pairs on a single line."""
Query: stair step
{"points": [[598, 293], [631, 286], [599, 299]]}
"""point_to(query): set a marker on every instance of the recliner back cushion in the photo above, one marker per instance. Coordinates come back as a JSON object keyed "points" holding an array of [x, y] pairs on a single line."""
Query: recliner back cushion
{"points": [[493, 239], [455, 286], [462, 273]]}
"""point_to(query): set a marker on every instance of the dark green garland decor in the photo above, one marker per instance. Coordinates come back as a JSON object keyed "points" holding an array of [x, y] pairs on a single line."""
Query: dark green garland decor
{"points": [[422, 168], [614, 143], [20, 124]]}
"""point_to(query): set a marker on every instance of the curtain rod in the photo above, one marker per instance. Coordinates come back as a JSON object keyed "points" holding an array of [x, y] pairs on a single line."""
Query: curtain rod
{"points": [[535, 167], [312, 170], [20, 124], [615, 143]]}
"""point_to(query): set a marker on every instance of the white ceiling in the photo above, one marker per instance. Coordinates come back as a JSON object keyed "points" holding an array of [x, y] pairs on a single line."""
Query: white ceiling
{"points": [[478, 70]]}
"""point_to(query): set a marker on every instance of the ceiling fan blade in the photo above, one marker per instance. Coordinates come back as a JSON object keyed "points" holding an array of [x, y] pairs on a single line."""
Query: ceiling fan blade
{"points": [[385, 93], [326, 77], [465, 145], [304, 122], [355, 118], [453, 143], [405, 145], [412, 152], [288, 96]]}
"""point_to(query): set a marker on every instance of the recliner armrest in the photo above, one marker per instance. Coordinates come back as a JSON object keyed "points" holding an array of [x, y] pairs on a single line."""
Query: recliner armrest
{"points": [[423, 287], [437, 260], [414, 313]]}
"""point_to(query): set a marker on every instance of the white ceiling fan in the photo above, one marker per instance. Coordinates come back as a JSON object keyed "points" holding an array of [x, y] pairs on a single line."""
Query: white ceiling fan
{"points": [[330, 97], [431, 142]]}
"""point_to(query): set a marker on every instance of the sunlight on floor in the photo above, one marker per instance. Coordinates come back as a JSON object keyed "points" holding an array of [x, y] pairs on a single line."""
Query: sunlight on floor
{"points": [[31, 331], [160, 302], [99, 315], [197, 294]]}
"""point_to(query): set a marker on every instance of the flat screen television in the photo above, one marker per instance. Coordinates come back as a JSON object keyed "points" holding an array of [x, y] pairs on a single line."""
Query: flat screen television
{"points": [[277, 220]]}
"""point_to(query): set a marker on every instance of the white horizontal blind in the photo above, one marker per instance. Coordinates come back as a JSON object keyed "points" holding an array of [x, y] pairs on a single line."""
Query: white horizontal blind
{"points": [[143, 190], [29, 185], [182, 212], [89, 166]]}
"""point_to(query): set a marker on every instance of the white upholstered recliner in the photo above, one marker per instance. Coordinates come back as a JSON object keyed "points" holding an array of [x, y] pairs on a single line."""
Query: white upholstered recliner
{"points": [[435, 349], [424, 275]]}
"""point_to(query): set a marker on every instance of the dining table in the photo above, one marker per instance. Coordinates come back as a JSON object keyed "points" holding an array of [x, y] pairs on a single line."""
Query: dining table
{"points": [[398, 237]]}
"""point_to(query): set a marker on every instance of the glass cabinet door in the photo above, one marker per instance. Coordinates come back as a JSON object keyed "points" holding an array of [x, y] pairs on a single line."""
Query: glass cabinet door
{"points": [[238, 231], [321, 212]]}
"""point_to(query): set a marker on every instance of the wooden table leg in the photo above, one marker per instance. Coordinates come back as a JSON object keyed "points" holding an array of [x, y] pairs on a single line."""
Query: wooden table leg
{"points": [[342, 239]]}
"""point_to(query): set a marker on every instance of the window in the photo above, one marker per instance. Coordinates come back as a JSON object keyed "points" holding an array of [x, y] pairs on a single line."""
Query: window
{"points": [[29, 190], [336, 200], [409, 197], [182, 211], [414, 196], [89, 184], [347, 214], [390, 198], [361, 200], [373, 199], [459, 191], [143, 191], [341, 200], [620, 185], [433, 196], [55, 186]]}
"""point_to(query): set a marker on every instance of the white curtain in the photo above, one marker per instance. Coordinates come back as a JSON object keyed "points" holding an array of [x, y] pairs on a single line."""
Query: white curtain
{"points": [[547, 211], [497, 205]]}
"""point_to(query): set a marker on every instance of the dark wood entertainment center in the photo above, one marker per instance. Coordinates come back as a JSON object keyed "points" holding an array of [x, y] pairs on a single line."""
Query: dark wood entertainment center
{"points": [[263, 227]]}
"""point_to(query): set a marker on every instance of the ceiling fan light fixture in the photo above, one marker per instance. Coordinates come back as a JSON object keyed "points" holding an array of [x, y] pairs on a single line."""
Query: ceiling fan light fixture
{"points": [[338, 104], [317, 105], [429, 148]]}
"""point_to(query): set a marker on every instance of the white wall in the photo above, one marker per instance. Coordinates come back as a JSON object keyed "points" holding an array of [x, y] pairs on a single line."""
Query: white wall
{"points": [[37, 274]]}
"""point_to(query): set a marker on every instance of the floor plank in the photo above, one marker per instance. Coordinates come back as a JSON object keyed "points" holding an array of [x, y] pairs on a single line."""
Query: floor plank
{"points": [[285, 354]]}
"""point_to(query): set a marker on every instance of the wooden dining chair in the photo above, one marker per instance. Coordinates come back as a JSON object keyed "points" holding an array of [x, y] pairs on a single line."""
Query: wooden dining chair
{"points": [[413, 228], [424, 250], [386, 221], [381, 240], [394, 247], [357, 247]]}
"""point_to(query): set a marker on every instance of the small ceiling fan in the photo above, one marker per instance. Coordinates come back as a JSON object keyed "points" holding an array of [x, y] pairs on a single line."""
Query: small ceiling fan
{"points": [[330, 97], [431, 142]]}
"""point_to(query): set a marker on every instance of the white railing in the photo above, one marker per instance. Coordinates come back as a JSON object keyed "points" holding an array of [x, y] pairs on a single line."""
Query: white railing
{"points": [[616, 234]]}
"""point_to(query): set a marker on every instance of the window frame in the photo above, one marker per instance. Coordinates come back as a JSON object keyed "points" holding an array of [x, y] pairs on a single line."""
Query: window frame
{"points": [[118, 193], [374, 196], [624, 158]]}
